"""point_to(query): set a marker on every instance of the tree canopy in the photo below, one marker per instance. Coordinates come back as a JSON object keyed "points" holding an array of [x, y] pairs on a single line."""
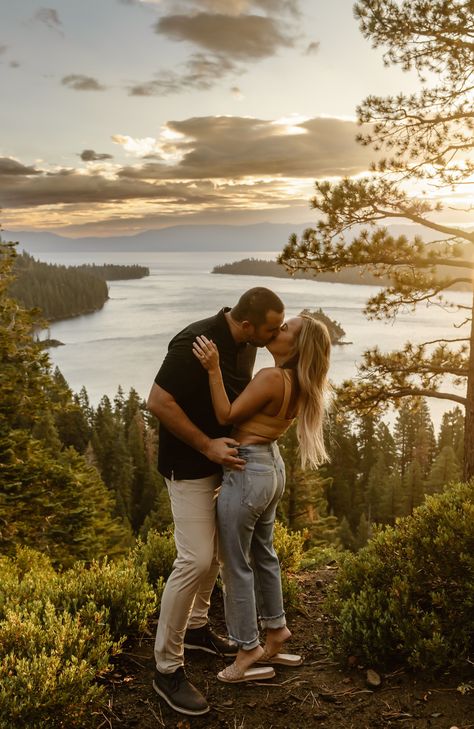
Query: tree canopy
{"points": [[422, 141]]}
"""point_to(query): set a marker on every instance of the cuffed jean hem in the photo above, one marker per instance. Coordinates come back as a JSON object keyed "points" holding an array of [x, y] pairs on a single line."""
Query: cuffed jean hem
{"points": [[274, 623], [248, 645]]}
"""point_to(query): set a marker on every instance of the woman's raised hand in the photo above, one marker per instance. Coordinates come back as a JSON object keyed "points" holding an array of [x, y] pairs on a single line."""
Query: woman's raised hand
{"points": [[206, 352]]}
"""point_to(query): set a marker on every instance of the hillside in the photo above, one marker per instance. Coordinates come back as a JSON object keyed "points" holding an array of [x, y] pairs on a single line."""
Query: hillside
{"points": [[320, 693], [61, 292]]}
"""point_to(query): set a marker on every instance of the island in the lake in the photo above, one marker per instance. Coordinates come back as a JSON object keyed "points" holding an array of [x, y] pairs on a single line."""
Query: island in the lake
{"points": [[259, 267], [336, 332]]}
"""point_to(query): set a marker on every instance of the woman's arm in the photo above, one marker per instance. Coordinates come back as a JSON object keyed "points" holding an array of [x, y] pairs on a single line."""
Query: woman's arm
{"points": [[264, 387]]}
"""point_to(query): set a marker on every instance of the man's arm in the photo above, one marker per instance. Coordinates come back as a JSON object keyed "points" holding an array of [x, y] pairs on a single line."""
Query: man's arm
{"points": [[219, 450]]}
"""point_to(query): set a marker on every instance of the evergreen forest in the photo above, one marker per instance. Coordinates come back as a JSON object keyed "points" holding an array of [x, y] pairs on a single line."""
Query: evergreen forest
{"points": [[61, 292]]}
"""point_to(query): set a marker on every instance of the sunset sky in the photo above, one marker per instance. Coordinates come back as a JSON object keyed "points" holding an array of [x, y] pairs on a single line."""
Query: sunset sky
{"points": [[118, 116]]}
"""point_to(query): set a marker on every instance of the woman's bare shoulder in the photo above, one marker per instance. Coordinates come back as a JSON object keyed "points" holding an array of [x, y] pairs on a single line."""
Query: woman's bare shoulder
{"points": [[269, 375]]}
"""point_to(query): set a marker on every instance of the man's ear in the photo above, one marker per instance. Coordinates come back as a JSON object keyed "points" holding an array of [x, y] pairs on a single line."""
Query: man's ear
{"points": [[247, 327]]}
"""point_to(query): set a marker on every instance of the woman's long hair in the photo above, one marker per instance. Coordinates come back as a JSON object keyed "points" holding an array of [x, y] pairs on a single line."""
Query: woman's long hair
{"points": [[312, 352]]}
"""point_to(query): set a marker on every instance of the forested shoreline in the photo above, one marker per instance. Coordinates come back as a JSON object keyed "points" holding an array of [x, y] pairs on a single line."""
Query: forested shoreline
{"points": [[62, 292], [259, 267]]}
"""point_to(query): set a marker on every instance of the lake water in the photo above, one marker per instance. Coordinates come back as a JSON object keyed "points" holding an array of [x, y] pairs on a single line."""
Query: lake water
{"points": [[125, 342]]}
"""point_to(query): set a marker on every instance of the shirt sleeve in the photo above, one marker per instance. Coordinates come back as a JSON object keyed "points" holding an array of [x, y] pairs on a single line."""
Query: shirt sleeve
{"points": [[181, 373]]}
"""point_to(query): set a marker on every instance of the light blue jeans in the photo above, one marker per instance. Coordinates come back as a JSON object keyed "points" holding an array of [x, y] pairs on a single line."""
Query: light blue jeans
{"points": [[246, 508]]}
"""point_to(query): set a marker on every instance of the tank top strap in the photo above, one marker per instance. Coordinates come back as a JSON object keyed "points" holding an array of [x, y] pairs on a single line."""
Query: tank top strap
{"points": [[287, 393]]}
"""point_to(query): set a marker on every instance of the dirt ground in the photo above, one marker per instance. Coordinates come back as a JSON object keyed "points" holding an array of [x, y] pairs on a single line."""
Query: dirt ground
{"points": [[320, 693]]}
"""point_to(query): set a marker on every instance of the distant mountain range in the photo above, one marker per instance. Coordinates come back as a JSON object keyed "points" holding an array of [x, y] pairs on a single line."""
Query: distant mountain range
{"points": [[258, 237]]}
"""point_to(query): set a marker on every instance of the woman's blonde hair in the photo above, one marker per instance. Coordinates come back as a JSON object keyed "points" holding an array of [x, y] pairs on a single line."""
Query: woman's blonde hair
{"points": [[312, 352]]}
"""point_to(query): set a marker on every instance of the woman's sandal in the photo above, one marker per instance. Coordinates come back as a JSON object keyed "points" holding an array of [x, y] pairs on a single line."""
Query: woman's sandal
{"points": [[234, 674], [282, 659]]}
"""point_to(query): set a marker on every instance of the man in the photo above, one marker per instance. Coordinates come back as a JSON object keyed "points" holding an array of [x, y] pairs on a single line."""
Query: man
{"points": [[193, 447]]}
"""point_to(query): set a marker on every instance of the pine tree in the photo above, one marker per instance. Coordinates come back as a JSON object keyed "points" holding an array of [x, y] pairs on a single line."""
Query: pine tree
{"points": [[452, 432], [113, 457], [304, 506], [445, 469], [414, 435], [45, 430], [363, 531], [425, 137], [342, 469], [414, 485], [346, 535], [50, 498]]}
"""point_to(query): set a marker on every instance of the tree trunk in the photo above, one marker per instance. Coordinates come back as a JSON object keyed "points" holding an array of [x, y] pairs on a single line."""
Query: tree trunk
{"points": [[469, 419]]}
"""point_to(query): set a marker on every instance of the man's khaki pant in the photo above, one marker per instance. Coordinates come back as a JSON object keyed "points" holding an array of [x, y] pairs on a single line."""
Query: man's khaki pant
{"points": [[187, 594]]}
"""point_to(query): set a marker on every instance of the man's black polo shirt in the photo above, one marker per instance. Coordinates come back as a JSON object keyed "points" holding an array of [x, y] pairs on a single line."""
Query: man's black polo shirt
{"points": [[187, 381]]}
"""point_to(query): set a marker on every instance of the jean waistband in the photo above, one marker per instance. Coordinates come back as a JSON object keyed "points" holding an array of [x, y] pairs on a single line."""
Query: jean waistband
{"points": [[263, 452]]}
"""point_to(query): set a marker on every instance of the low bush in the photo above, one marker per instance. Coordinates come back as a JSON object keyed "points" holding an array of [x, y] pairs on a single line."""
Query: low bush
{"points": [[120, 589], [49, 661], [57, 632], [408, 596], [317, 557], [157, 555], [289, 547]]}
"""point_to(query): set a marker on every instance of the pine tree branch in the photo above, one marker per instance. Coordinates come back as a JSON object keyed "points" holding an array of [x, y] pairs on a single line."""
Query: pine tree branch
{"points": [[437, 341], [410, 391], [455, 232]]}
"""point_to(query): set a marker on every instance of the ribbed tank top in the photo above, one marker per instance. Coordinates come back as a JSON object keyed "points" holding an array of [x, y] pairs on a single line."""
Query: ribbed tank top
{"points": [[271, 426]]}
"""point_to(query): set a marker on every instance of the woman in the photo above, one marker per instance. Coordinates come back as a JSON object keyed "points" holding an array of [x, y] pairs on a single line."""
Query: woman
{"points": [[248, 499]]}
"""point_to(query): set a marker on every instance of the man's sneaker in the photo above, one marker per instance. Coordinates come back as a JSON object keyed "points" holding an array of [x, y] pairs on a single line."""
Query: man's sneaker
{"points": [[204, 639], [180, 693]]}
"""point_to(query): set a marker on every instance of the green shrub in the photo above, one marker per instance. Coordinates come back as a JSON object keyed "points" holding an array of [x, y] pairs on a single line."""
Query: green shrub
{"points": [[318, 557], [48, 663], [157, 554], [120, 588], [289, 547], [409, 594], [57, 631]]}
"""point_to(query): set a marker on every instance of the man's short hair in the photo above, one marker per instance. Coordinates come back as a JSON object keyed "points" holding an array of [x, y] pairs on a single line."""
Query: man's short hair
{"points": [[254, 304]]}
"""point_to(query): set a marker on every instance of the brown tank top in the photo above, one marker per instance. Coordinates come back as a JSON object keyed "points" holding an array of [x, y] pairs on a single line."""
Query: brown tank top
{"points": [[271, 426]]}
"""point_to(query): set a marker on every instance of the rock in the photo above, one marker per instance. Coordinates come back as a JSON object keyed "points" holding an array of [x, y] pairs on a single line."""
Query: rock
{"points": [[373, 679]]}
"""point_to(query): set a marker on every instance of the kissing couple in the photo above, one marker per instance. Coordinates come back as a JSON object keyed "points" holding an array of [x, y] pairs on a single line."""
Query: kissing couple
{"points": [[219, 456]]}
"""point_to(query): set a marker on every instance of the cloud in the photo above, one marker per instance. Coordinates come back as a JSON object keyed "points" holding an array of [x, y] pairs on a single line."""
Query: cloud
{"points": [[204, 163], [245, 37], [14, 64], [88, 155], [239, 147], [200, 72], [137, 146], [236, 91], [49, 17], [236, 7], [312, 48], [11, 167], [3, 49], [228, 33], [78, 82], [228, 7], [71, 187]]}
